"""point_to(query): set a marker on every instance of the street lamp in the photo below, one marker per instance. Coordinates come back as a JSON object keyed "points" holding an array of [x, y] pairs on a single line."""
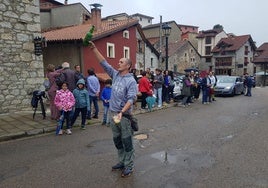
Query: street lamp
{"points": [[166, 30]]}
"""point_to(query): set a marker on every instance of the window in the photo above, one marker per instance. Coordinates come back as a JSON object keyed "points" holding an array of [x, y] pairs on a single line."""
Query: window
{"points": [[246, 50], [149, 21], [245, 70], [152, 62], [110, 50], [208, 50], [126, 52], [139, 46], [208, 60], [175, 68], [208, 40], [126, 34], [245, 61], [140, 19]]}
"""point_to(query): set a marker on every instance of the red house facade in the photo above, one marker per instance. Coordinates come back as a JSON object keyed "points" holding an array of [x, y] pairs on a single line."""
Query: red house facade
{"points": [[120, 43], [115, 39]]}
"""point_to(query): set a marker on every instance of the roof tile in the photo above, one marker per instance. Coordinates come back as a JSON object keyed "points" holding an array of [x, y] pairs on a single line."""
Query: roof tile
{"points": [[78, 32]]}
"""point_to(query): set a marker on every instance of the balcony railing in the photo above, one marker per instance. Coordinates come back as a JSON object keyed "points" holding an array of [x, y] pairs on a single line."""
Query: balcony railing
{"points": [[223, 63]]}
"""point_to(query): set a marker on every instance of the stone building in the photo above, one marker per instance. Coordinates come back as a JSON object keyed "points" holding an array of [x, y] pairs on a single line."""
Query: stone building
{"points": [[234, 55], [21, 71], [183, 55], [207, 40]]}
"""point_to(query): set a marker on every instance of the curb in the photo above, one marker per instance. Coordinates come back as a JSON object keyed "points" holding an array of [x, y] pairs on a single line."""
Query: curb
{"points": [[50, 129]]}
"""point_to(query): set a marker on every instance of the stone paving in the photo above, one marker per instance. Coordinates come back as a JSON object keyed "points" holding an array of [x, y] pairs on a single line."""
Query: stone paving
{"points": [[21, 124]]}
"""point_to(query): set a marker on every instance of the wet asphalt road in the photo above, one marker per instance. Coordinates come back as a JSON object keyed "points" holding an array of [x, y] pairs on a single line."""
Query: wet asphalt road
{"points": [[224, 144]]}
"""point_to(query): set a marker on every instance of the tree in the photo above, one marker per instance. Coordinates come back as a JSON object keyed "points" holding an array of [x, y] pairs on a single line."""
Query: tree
{"points": [[218, 26]]}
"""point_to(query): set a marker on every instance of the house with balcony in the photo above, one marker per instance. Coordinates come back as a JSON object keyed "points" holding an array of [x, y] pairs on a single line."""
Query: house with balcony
{"points": [[207, 40], [261, 62], [233, 55]]}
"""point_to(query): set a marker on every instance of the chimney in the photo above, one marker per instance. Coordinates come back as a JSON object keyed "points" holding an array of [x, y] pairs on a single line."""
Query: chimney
{"points": [[96, 15], [66, 2]]}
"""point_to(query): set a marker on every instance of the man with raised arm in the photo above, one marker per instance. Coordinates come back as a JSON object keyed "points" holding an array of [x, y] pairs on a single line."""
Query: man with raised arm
{"points": [[124, 92]]}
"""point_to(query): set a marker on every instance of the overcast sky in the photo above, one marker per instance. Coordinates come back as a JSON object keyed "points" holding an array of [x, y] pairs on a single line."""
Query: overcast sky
{"points": [[240, 17]]}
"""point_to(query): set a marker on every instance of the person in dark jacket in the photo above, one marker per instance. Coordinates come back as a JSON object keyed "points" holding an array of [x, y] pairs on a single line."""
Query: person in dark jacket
{"points": [[186, 90], [81, 102], [248, 84], [68, 76], [206, 84]]}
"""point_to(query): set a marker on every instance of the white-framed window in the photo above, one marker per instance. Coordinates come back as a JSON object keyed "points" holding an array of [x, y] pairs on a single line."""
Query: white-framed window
{"points": [[126, 52], [110, 50], [126, 34]]}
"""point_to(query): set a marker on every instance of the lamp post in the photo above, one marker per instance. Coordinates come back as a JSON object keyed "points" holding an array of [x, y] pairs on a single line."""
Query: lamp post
{"points": [[166, 30]]}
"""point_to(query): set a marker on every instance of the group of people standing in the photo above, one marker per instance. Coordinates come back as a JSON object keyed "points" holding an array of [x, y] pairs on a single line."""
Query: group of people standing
{"points": [[78, 93], [74, 95], [193, 84], [160, 84]]}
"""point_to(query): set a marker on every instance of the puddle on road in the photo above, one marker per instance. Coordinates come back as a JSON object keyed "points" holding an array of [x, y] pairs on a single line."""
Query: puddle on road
{"points": [[181, 157], [174, 167], [163, 156]]}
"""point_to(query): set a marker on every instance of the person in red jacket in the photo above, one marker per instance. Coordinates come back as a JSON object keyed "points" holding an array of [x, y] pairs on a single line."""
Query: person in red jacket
{"points": [[145, 87]]}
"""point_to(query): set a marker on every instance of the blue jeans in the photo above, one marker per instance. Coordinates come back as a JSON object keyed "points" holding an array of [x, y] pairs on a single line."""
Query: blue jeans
{"points": [[67, 117], [76, 114], [205, 93], [106, 118], [158, 94], [248, 92], [93, 99]]}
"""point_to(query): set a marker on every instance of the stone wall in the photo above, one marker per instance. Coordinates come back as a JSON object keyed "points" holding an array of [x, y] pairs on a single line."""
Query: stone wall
{"points": [[21, 71]]}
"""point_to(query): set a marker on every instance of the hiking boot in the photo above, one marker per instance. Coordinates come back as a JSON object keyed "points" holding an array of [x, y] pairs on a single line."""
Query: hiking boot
{"points": [[118, 166], [103, 123], [68, 131], [83, 127], [127, 172], [95, 117]]}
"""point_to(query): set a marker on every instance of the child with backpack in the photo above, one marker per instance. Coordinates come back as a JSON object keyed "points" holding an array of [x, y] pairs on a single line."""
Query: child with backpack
{"points": [[105, 97], [64, 101], [81, 102]]}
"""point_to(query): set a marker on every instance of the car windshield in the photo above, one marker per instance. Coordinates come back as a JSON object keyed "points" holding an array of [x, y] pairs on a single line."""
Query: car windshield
{"points": [[226, 80]]}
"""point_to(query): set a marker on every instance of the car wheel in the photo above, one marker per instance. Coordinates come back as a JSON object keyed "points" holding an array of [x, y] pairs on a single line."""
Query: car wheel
{"points": [[233, 93]]}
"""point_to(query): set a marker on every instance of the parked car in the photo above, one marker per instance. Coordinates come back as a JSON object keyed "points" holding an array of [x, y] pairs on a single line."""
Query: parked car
{"points": [[229, 85]]}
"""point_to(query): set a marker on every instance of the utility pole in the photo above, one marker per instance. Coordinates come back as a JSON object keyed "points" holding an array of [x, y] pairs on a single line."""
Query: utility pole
{"points": [[160, 43]]}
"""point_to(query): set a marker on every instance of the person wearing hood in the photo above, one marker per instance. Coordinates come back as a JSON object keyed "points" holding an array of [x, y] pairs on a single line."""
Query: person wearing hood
{"points": [[81, 102], [124, 94]]}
